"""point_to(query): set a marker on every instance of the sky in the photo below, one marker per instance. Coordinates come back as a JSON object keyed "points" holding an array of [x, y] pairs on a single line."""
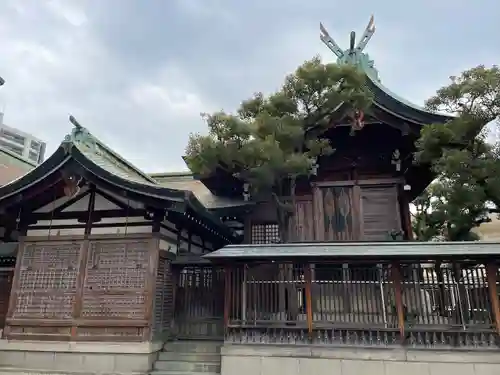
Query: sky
{"points": [[138, 73]]}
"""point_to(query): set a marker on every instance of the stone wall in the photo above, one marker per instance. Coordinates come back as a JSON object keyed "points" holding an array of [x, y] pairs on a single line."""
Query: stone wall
{"points": [[23, 357], [306, 360]]}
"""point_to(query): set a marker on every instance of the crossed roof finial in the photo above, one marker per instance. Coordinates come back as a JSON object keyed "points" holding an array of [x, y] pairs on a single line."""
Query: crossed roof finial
{"points": [[334, 47], [75, 123]]}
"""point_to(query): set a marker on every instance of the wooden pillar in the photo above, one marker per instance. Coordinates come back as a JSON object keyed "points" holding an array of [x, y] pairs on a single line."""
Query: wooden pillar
{"points": [[404, 212], [80, 282], [244, 295], [347, 288], [491, 273], [407, 218], [90, 211], [398, 297], [179, 236], [150, 284], [82, 263], [309, 312], [15, 286], [358, 217], [227, 295]]}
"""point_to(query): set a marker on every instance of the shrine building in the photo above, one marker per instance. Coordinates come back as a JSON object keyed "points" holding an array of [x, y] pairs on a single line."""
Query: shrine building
{"points": [[106, 269]]}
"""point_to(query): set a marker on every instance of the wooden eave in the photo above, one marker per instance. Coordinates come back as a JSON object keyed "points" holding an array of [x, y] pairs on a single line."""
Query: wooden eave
{"points": [[68, 157], [384, 99], [357, 251]]}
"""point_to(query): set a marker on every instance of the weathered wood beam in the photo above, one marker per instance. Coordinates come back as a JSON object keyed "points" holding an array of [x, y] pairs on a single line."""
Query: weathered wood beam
{"points": [[90, 211], [398, 297], [227, 295], [308, 287], [492, 276], [379, 181], [80, 285]]}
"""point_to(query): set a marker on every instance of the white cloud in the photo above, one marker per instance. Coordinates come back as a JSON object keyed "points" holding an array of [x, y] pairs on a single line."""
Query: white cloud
{"points": [[142, 70], [69, 11], [170, 94]]}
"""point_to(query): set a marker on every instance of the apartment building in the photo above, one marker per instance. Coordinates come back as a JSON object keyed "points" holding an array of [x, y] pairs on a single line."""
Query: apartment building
{"points": [[21, 143]]}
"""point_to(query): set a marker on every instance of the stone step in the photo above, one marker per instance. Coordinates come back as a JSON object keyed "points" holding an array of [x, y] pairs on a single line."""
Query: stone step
{"points": [[193, 346], [190, 357], [185, 366]]}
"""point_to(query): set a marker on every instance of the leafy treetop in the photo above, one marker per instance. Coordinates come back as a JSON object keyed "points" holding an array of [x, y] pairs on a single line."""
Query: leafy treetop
{"points": [[464, 159], [273, 139]]}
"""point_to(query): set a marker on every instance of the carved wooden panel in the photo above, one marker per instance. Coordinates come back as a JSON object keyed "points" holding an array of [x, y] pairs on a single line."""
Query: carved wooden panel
{"points": [[379, 212], [115, 280], [47, 280], [334, 214]]}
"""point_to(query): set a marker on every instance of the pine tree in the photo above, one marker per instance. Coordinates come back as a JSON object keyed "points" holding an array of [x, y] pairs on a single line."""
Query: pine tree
{"points": [[466, 162], [272, 140]]}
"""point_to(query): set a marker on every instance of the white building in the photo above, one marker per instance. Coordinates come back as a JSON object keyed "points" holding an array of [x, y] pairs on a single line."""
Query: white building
{"points": [[20, 143]]}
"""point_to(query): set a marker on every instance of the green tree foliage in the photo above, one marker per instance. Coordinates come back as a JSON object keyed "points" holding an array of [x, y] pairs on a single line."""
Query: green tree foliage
{"points": [[274, 139], [465, 161], [447, 210]]}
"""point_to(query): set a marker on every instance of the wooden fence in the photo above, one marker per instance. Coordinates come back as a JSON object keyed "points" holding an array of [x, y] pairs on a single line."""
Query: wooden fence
{"points": [[199, 303], [426, 304]]}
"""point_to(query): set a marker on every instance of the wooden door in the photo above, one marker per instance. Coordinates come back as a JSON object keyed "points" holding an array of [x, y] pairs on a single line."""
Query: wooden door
{"points": [[303, 220], [379, 212], [335, 214], [199, 305]]}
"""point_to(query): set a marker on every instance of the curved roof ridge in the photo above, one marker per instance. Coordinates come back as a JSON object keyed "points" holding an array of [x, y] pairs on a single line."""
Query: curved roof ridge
{"points": [[81, 136], [356, 56], [71, 150], [400, 99]]}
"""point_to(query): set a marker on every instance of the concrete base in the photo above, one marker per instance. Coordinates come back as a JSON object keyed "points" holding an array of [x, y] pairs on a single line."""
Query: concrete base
{"points": [[303, 360], [35, 357]]}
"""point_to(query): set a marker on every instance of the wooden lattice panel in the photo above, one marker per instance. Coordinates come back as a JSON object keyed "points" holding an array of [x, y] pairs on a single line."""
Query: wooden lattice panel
{"points": [[109, 306], [47, 281], [265, 233], [163, 302], [115, 280], [199, 308]]}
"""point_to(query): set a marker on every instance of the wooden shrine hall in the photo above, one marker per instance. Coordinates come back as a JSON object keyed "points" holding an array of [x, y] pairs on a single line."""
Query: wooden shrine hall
{"points": [[97, 238], [102, 264]]}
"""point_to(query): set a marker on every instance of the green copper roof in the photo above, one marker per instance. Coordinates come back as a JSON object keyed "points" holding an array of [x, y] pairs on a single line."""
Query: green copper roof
{"points": [[103, 156], [104, 166]]}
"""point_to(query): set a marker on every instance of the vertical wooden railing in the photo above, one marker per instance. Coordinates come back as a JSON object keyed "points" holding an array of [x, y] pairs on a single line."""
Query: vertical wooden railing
{"points": [[397, 303], [228, 286], [398, 297], [309, 310], [492, 275]]}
